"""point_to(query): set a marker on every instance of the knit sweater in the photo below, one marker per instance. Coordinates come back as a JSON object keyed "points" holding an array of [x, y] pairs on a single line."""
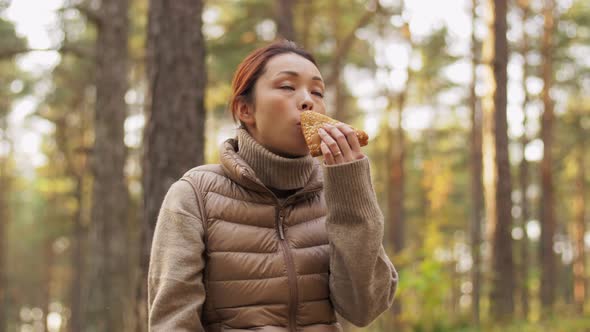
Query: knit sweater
{"points": [[362, 278]]}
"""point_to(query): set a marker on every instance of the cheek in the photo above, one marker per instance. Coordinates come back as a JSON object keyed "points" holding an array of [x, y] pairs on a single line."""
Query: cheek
{"points": [[321, 107], [280, 102], [277, 110]]}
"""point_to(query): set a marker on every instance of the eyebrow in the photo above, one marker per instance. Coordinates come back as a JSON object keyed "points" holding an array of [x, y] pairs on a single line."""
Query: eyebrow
{"points": [[292, 73]]}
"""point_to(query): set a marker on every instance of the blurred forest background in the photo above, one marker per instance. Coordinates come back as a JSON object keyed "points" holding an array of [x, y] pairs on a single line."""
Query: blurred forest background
{"points": [[478, 113]]}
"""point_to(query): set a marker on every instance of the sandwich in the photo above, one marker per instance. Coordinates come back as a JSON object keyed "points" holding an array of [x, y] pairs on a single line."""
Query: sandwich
{"points": [[312, 121]]}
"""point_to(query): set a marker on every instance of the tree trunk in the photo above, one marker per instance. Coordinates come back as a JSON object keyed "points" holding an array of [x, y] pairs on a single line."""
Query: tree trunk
{"points": [[75, 169], [343, 46], [284, 19], [49, 258], [548, 222], [496, 165], [524, 174], [174, 134], [580, 229], [476, 176], [77, 259], [308, 16], [397, 183], [109, 284], [396, 193], [4, 218], [339, 111], [3, 246]]}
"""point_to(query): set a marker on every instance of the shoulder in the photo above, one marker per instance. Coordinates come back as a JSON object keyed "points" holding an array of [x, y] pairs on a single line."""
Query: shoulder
{"points": [[180, 198], [184, 196], [204, 177], [208, 170]]}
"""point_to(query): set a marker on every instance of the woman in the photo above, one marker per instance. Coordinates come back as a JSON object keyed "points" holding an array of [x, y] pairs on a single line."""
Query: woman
{"points": [[271, 239]]}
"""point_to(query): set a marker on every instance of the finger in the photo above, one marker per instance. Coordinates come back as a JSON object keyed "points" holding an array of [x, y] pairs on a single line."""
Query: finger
{"points": [[328, 159], [342, 141], [331, 144], [350, 134]]}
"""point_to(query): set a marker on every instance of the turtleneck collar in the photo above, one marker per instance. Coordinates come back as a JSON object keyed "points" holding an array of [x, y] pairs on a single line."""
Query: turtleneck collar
{"points": [[272, 170]]}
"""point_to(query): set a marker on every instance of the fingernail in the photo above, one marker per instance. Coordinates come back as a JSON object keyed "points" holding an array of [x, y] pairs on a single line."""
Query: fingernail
{"points": [[322, 131]]}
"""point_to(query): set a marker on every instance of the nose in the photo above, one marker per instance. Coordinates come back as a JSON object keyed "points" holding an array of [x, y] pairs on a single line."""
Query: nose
{"points": [[306, 102]]}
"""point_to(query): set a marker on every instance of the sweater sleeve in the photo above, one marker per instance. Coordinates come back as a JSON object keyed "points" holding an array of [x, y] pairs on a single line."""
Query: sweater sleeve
{"points": [[363, 280], [175, 279]]}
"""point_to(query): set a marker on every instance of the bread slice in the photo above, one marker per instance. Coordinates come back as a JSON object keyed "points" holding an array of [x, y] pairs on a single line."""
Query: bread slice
{"points": [[312, 121]]}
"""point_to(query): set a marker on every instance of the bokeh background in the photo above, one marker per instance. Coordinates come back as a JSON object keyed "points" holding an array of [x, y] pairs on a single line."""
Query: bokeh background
{"points": [[478, 113]]}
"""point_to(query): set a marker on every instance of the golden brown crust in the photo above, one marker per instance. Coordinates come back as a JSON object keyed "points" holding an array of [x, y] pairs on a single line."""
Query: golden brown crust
{"points": [[312, 121]]}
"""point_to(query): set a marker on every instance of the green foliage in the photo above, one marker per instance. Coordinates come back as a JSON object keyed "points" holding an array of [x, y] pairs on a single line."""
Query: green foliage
{"points": [[434, 56], [572, 37], [10, 40], [13, 82]]}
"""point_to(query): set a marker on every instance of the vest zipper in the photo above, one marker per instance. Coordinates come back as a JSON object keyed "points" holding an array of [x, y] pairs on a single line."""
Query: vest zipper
{"points": [[291, 273], [280, 224]]}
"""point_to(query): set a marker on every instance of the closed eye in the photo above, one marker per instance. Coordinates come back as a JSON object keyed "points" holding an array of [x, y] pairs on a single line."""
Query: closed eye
{"points": [[286, 87], [319, 94]]}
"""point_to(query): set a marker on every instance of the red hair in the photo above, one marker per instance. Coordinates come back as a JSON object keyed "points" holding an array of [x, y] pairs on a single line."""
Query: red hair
{"points": [[254, 65]]}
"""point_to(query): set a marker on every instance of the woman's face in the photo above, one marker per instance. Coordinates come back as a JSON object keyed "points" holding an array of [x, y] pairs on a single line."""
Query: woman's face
{"points": [[289, 85]]}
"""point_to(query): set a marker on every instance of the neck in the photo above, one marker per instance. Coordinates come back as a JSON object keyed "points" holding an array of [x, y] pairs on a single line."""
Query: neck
{"points": [[281, 175]]}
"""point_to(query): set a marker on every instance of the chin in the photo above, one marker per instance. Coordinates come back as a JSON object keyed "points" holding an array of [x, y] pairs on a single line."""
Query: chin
{"points": [[296, 153]]}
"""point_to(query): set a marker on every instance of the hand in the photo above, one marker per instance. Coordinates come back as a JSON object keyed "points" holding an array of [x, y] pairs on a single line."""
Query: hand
{"points": [[339, 144]]}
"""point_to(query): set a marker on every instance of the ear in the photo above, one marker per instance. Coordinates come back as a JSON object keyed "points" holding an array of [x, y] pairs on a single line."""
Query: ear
{"points": [[246, 113]]}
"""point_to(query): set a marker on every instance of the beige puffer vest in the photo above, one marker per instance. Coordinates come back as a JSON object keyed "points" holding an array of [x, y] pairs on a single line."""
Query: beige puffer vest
{"points": [[267, 260]]}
